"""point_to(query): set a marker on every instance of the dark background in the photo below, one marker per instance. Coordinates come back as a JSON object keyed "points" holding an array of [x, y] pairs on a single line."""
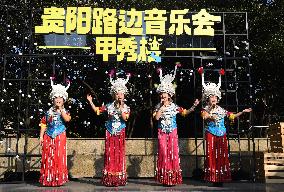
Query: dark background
{"points": [[254, 73]]}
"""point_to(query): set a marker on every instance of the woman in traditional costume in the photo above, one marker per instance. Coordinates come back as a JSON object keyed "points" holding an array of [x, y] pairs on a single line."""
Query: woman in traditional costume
{"points": [[114, 172], [168, 171], [53, 170], [216, 165]]}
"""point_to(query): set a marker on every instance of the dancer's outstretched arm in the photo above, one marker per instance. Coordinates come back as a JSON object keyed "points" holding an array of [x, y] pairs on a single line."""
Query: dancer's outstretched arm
{"points": [[232, 116], [191, 109], [90, 99]]}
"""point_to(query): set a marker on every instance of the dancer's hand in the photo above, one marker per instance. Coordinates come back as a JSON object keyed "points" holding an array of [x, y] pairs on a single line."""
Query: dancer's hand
{"points": [[162, 108], [213, 117], [196, 102], [89, 98], [58, 108], [247, 110]]}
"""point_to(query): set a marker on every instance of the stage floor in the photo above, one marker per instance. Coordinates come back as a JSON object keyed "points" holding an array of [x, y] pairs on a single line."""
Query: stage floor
{"points": [[92, 185]]}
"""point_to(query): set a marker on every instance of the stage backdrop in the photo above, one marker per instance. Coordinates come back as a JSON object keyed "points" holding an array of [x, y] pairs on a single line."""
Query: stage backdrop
{"points": [[85, 43]]}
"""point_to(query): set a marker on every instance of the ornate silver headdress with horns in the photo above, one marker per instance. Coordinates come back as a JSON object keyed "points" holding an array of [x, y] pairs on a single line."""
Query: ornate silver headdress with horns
{"points": [[211, 88], [59, 90], [119, 85], [166, 85]]}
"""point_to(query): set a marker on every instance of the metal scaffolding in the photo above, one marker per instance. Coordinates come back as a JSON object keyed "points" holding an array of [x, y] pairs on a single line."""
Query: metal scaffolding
{"points": [[25, 72]]}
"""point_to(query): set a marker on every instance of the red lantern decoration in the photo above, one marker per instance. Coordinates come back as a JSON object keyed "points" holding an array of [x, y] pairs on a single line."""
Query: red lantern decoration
{"points": [[222, 72], [200, 70]]}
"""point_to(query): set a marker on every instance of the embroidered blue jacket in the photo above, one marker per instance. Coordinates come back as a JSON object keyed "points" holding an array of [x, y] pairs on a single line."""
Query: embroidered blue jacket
{"points": [[55, 123], [167, 122], [216, 127], [115, 123]]}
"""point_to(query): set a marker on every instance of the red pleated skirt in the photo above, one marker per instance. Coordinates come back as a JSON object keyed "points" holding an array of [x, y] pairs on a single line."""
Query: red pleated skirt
{"points": [[53, 170], [114, 173], [168, 170], [217, 165]]}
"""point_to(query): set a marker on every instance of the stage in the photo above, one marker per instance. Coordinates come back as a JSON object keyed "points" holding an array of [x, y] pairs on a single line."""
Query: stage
{"points": [[89, 184]]}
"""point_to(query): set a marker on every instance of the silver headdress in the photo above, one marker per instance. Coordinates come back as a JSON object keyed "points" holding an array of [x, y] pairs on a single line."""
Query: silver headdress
{"points": [[166, 85], [59, 90], [211, 88], [119, 85]]}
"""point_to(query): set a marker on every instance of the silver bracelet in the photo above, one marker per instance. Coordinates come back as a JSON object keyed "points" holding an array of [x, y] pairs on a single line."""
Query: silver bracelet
{"points": [[192, 108]]}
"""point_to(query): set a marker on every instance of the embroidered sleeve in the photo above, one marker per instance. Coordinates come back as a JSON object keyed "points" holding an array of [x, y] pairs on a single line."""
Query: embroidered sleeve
{"points": [[100, 110], [182, 111], [231, 116], [203, 113], [43, 122]]}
